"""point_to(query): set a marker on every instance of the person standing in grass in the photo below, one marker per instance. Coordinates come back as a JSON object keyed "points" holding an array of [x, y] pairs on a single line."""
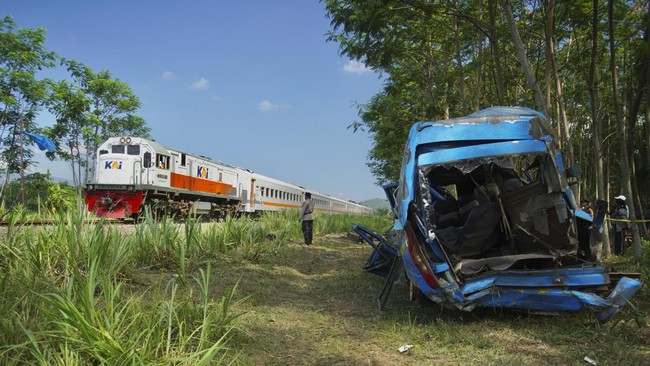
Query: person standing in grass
{"points": [[306, 218], [620, 214]]}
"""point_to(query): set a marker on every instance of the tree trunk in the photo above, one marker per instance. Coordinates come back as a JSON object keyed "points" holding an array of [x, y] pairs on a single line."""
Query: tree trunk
{"points": [[647, 93], [647, 107], [461, 77], [548, 30], [496, 53], [620, 127], [5, 184], [479, 71], [21, 122], [562, 116], [523, 59], [596, 122]]}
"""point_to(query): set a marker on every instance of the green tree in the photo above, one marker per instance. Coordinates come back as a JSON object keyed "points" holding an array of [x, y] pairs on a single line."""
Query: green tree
{"points": [[71, 130], [22, 55], [424, 56], [37, 186], [88, 110], [437, 55]]}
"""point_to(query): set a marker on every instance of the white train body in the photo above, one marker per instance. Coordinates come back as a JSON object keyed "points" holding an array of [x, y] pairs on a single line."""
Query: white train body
{"points": [[132, 173]]}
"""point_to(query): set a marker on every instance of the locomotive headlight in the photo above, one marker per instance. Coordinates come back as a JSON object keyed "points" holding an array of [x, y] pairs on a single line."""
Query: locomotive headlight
{"points": [[122, 140], [128, 140]]}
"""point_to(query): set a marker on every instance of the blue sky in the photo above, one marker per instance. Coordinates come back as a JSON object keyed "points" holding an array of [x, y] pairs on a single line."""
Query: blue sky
{"points": [[250, 83]]}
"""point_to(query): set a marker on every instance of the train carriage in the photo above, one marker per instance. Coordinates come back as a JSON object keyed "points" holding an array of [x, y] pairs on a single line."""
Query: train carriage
{"points": [[131, 173]]}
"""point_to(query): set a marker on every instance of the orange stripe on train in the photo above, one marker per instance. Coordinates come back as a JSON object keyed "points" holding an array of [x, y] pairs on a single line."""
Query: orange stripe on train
{"points": [[197, 184], [285, 205]]}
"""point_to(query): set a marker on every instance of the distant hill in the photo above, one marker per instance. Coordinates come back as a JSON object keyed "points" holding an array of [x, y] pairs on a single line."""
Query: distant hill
{"points": [[376, 203]]}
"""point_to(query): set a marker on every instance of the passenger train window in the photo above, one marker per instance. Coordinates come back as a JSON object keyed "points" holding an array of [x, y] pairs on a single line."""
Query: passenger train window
{"points": [[102, 152], [183, 159], [133, 149], [117, 149]]}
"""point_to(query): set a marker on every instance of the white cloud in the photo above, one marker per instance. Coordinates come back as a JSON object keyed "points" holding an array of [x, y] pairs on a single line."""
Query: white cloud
{"points": [[200, 84], [355, 67], [217, 98], [168, 75], [266, 105]]}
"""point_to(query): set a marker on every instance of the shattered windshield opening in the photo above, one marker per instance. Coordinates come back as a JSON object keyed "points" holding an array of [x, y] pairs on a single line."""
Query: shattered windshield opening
{"points": [[497, 207]]}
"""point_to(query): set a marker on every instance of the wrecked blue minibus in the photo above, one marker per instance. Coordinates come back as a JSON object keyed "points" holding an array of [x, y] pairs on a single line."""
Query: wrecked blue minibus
{"points": [[484, 216]]}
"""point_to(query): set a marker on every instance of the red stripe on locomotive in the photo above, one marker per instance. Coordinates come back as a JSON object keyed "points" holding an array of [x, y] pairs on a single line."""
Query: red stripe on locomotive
{"points": [[114, 204]]}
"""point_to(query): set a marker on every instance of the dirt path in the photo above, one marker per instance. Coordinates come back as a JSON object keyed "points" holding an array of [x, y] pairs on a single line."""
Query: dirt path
{"points": [[313, 306]]}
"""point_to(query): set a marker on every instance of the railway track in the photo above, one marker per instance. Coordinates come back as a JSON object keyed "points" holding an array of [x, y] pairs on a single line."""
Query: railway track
{"points": [[55, 222]]}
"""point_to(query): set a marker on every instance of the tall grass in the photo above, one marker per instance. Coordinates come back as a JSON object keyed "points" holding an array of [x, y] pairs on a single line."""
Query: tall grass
{"points": [[286, 226], [327, 224], [67, 294], [65, 297]]}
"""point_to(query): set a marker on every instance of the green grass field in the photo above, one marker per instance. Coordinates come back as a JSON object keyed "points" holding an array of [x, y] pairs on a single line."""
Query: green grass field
{"points": [[220, 293]]}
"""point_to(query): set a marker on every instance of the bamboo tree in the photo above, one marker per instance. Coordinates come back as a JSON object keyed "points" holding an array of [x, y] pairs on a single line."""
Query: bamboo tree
{"points": [[620, 127], [430, 57], [523, 58], [596, 120], [647, 99], [562, 116], [496, 53]]}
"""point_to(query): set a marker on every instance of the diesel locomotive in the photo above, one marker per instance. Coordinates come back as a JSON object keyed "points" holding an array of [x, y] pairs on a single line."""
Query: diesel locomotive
{"points": [[132, 173]]}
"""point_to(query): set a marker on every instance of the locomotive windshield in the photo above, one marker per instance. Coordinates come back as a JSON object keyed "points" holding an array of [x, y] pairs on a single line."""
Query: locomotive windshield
{"points": [[133, 149], [129, 149], [117, 149]]}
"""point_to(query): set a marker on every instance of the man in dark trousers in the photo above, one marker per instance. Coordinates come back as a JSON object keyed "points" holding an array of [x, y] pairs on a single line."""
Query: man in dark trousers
{"points": [[306, 218], [620, 214]]}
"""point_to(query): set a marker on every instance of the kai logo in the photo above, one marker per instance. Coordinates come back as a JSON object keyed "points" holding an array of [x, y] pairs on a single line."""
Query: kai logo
{"points": [[202, 172], [113, 164]]}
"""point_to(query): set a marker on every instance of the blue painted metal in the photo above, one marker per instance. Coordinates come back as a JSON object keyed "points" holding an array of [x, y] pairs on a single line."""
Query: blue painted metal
{"points": [[383, 254], [507, 124], [486, 135], [443, 156], [625, 289]]}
